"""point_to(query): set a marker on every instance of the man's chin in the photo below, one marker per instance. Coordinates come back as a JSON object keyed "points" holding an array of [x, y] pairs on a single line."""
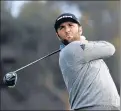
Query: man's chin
{"points": [[65, 42]]}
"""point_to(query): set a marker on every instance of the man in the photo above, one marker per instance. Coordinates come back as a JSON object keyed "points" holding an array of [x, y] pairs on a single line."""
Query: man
{"points": [[87, 77]]}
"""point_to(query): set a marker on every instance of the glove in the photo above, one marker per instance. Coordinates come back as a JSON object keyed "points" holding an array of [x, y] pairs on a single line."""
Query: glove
{"points": [[10, 79]]}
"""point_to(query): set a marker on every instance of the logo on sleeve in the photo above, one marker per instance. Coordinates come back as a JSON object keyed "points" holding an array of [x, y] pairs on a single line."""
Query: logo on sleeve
{"points": [[83, 46]]}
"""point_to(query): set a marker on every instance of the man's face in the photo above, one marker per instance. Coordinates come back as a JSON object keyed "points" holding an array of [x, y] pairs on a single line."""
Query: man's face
{"points": [[69, 31]]}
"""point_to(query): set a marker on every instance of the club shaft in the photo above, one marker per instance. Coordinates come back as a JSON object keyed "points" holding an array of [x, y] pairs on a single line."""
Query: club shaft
{"points": [[37, 60]]}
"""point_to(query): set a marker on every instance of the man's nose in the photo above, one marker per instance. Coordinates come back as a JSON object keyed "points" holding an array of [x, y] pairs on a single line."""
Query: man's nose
{"points": [[67, 29]]}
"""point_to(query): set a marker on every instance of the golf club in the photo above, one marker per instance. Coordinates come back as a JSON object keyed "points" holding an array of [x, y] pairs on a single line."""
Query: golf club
{"points": [[10, 78]]}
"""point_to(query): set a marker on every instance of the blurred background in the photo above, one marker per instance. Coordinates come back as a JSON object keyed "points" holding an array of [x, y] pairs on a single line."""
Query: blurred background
{"points": [[27, 33]]}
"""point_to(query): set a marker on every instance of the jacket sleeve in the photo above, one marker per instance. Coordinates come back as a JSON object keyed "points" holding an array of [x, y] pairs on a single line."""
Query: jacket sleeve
{"points": [[97, 50]]}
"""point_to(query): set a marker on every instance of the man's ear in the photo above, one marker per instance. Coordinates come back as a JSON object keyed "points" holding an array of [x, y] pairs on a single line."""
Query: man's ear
{"points": [[80, 30], [58, 36]]}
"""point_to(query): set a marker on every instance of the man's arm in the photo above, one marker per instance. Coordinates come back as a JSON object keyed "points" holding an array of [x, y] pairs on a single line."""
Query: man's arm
{"points": [[98, 50], [88, 50]]}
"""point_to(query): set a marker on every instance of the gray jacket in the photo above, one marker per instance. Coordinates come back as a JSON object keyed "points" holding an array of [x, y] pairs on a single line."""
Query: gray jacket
{"points": [[86, 75]]}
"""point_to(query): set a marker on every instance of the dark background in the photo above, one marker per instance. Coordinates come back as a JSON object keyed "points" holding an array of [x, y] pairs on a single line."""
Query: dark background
{"points": [[31, 35]]}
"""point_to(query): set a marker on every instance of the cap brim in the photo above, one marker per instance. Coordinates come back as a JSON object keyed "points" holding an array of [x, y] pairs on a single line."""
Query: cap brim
{"points": [[58, 23]]}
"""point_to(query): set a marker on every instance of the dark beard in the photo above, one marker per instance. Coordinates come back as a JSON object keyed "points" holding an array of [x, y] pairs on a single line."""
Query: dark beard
{"points": [[65, 42]]}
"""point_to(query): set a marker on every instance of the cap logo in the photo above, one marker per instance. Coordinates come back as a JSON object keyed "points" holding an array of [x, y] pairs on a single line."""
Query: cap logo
{"points": [[64, 17]]}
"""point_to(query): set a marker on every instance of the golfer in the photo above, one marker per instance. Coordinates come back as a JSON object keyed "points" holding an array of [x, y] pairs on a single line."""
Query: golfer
{"points": [[87, 77]]}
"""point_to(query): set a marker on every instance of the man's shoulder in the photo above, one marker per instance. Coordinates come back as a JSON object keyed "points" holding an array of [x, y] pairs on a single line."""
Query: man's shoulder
{"points": [[71, 49]]}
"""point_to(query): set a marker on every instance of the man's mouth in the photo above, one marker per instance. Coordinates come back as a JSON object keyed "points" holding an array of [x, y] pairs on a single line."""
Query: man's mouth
{"points": [[69, 36]]}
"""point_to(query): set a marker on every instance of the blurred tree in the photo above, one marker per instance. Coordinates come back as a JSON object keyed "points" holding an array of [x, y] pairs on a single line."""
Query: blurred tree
{"points": [[6, 20]]}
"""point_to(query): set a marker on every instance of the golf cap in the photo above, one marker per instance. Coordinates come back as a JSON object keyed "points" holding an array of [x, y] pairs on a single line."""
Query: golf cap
{"points": [[64, 18]]}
